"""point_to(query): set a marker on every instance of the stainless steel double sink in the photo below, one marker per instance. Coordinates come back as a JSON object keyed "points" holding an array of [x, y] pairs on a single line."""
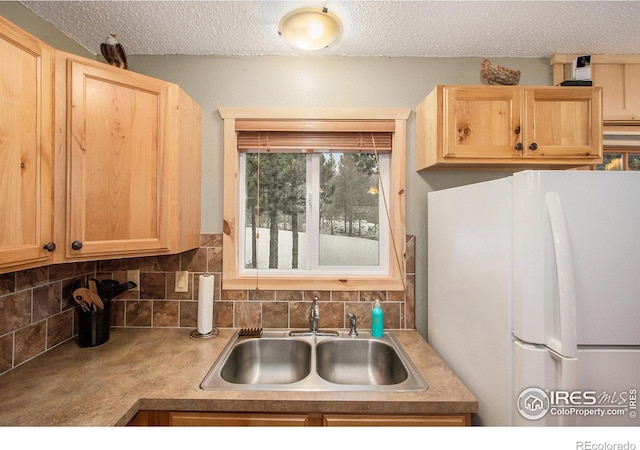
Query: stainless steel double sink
{"points": [[313, 362]]}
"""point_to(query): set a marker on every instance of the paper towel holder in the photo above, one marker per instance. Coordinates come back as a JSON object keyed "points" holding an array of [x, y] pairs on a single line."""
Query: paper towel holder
{"points": [[195, 334]]}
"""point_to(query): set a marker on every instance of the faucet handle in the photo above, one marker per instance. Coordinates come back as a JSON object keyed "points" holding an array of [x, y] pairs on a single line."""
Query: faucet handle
{"points": [[352, 320]]}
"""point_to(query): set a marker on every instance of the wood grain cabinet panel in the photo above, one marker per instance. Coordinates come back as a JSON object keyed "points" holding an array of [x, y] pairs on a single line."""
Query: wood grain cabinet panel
{"points": [[563, 123], [130, 169], [118, 185], [355, 420], [621, 87], [481, 123], [26, 150], [192, 418], [509, 127], [210, 419]]}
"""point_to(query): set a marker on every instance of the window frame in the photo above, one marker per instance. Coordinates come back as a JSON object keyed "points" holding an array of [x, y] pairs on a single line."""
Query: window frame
{"points": [[314, 119]]}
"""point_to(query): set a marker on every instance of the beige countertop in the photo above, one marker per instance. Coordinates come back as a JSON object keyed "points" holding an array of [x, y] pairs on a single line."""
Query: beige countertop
{"points": [[161, 369]]}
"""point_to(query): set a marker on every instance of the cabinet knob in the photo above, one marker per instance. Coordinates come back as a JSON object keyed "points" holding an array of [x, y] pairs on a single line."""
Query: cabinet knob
{"points": [[76, 245], [533, 146], [51, 246], [519, 146]]}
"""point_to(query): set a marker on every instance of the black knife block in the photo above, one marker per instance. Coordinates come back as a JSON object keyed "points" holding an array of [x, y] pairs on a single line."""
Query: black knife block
{"points": [[93, 327]]}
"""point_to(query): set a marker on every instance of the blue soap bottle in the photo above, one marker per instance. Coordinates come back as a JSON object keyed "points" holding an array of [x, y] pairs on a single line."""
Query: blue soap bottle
{"points": [[377, 320]]}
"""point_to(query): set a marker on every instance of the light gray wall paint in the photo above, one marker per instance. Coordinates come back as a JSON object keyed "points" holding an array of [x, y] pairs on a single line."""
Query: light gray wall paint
{"points": [[216, 82]]}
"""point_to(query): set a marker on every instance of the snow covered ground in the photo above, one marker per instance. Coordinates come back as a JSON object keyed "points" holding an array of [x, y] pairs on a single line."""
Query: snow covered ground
{"points": [[335, 250]]}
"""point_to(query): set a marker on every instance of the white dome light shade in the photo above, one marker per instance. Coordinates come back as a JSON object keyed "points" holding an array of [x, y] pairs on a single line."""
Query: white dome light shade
{"points": [[310, 28]]}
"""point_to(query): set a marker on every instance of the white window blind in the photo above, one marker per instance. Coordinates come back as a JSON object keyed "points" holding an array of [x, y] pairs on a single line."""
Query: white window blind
{"points": [[313, 141]]}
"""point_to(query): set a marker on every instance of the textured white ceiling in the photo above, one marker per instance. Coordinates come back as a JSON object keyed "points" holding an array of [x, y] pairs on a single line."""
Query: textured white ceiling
{"points": [[371, 28]]}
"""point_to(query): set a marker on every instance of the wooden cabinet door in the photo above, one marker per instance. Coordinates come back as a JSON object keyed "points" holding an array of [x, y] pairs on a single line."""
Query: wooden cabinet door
{"points": [[482, 123], [26, 149], [563, 122], [368, 420], [118, 179], [212, 419], [621, 91], [247, 419]]}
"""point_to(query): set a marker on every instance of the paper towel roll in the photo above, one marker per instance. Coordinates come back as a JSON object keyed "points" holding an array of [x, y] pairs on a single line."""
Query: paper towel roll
{"points": [[205, 304]]}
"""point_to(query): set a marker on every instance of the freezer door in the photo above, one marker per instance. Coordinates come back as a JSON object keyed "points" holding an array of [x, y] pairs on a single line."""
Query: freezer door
{"points": [[597, 388], [601, 212]]}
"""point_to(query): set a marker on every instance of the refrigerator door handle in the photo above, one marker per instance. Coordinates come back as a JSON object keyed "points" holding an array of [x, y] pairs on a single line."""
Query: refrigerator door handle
{"points": [[567, 344]]}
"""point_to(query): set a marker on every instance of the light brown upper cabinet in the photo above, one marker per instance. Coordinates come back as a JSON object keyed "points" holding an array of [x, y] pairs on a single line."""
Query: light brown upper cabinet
{"points": [[508, 127], [619, 77], [26, 149], [96, 162], [132, 163]]}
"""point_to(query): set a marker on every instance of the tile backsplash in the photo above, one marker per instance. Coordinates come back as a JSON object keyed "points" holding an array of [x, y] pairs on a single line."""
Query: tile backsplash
{"points": [[36, 316]]}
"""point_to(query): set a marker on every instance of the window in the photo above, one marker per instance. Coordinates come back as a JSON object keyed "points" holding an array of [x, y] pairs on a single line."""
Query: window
{"points": [[314, 199], [300, 211], [620, 159]]}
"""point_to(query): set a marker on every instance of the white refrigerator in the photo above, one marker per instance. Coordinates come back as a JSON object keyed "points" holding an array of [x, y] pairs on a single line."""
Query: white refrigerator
{"points": [[534, 295]]}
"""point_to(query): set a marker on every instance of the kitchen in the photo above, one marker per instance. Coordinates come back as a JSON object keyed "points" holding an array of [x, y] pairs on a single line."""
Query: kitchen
{"points": [[263, 82]]}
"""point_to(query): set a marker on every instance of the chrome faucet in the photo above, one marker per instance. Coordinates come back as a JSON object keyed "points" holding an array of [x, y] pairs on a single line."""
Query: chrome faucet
{"points": [[352, 320], [314, 316], [314, 319]]}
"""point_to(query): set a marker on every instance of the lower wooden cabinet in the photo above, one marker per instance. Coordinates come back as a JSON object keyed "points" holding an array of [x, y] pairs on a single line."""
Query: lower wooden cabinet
{"points": [[366, 420], [243, 419]]}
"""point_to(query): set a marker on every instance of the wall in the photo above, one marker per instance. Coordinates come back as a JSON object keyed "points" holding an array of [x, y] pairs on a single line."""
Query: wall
{"points": [[313, 81], [216, 82], [34, 315]]}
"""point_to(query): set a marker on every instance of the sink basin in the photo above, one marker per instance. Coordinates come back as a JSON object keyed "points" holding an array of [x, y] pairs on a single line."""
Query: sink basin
{"points": [[267, 361], [356, 361], [323, 362]]}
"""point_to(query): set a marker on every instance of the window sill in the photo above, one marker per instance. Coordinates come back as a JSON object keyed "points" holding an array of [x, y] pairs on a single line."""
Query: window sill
{"points": [[356, 283]]}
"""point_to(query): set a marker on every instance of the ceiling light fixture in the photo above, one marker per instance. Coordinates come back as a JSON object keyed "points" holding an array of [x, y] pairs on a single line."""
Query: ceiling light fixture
{"points": [[310, 28]]}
